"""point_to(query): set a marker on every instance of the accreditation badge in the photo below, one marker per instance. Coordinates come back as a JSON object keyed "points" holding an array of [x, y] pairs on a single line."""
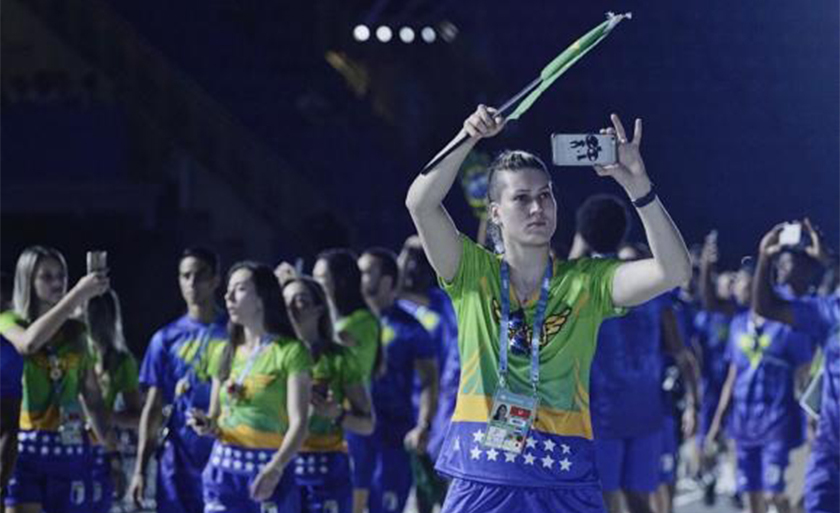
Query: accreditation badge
{"points": [[510, 420], [72, 428]]}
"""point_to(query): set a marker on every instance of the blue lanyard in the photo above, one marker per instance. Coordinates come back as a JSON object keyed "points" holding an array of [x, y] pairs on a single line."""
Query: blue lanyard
{"points": [[252, 358], [539, 317]]}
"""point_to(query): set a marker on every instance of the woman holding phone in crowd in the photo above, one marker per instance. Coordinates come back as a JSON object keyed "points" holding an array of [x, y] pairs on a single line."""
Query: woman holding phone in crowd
{"points": [[259, 403], [58, 385], [322, 466]]}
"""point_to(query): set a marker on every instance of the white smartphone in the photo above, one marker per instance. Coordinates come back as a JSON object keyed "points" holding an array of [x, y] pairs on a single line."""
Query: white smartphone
{"points": [[583, 149], [791, 234], [97, 261]]}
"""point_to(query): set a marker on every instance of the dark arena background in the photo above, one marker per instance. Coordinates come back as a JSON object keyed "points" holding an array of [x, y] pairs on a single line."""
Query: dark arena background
{"points": [[271, 130]]}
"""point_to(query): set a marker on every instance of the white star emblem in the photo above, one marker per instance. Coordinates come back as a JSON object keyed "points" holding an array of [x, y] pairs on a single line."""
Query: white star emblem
{"points": [[530, 443], [565, 464], [491, 454], [478, 436], [566, 449], [475, 453], [549, 445], [510, 457], [548, 461], [457, 445], [529, 459]]}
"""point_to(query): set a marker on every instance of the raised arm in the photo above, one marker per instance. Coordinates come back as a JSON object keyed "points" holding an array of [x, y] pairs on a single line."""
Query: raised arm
{"points": [[31, 339], [708, 291], [641, 280], [425, 196], [765, 301]]}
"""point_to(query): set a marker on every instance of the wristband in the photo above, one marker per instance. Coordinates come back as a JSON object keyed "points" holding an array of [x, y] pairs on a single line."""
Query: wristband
{"points": [[645, 200]]}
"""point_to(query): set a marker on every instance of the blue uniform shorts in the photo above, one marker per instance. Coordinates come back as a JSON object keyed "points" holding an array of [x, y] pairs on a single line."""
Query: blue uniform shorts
{"points": [[228, 477], [822, 481], [363, 458], [465, 496], [179, 479], [49, 473], [102, 486], [322, 481], [391, 479], [668, 459], [629, 463], [762, 468]]}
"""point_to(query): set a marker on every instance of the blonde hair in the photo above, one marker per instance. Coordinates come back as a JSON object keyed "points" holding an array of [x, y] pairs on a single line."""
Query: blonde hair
{"points": [[24, 300]]}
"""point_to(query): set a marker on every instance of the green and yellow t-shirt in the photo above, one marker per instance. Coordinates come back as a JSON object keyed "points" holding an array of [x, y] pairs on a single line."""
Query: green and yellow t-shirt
{"points": [[364, 328], [122, 379], [42, 400], [259, 418], [559, 448], [335, 370]]}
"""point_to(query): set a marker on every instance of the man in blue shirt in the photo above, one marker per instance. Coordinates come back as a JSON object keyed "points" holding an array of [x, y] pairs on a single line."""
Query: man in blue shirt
{"points": [[174, 373], [628, 411], [407, 348], [420, 296]]}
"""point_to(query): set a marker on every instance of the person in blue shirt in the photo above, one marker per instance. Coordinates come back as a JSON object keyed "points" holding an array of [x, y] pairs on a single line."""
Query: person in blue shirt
{"points": [[628, 411], [420, 296], [818, 316], [407, 350], [174, 373], [766, 421]]}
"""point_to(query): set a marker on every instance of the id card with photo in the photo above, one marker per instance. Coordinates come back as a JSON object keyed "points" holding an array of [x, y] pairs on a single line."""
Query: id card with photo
{"points": [[510, 420]]}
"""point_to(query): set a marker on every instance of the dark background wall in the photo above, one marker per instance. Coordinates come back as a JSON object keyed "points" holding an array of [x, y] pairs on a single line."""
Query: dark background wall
{"points": [[266, 131]]}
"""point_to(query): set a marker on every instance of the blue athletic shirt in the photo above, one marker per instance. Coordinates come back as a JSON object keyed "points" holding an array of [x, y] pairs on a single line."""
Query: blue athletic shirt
{"points": [[175, 352], [712, 329], [11, 363], [450, 370], [764, 408], [820, 317], [626, 388], [404, 340]]}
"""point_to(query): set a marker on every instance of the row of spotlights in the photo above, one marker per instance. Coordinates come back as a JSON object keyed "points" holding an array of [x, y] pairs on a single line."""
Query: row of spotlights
{"points": [[384, 34]]}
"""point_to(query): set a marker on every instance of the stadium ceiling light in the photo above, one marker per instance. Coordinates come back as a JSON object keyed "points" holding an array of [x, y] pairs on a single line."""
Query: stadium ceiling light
{"points": [[384, 34], [406, 34], [428, 34], [361, 33], [448, 31]]}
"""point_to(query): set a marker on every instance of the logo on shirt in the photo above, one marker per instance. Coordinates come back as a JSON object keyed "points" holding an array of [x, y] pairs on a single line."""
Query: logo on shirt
{"points": [[520, 330], [753, 347]]}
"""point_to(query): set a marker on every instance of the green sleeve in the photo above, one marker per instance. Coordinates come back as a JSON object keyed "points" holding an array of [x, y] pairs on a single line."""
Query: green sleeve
{"points": [[474, 263], [600, 272], [297, 358], [215, 355], [7, 320], [351, 371], [127, 375]]}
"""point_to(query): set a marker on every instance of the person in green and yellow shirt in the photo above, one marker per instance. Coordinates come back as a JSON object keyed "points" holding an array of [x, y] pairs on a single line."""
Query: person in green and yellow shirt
{"points": [[259, 402], [340, 403]]}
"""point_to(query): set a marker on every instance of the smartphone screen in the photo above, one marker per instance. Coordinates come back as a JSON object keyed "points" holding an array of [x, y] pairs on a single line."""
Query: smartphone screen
{"points": [[583, 149]]}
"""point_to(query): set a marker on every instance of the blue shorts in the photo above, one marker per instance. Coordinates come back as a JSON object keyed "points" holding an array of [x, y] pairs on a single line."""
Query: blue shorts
{"points": [[179, 479], [466, 496], [101, 496], [51, 474], [391, 479], [762, 468], [629, 463], [668, 458], [228, 477], [363, 458], [322, 481], [822, 481]]}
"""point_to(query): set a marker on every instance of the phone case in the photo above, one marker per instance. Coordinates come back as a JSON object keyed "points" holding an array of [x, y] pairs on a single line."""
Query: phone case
{"points": [[583, 149]]}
